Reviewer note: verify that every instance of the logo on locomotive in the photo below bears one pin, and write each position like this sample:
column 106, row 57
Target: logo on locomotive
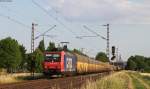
column 69, row 64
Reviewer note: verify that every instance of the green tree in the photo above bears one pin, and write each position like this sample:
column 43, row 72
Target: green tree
column 139, row 60
column 131, row 65
column 23, row 64
column 147, row 69
column 10, row 55
column 139, row 63
column 39, row 57
column 29, row 58
column 41, row 46
column 147, row 61
column 101, row 56
column 51, row 46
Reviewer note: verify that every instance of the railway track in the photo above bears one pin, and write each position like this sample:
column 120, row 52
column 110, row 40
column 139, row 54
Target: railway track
column 58, row 83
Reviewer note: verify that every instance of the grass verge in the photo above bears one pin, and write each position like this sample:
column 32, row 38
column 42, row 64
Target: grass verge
column 18, row 77
column 139, row 81
column 118, row 80
column 137, row 84
column 146, row 77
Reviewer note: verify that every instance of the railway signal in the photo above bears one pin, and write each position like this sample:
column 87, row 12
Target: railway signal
column 113, row 50
column 113, row 57
column 113, row 53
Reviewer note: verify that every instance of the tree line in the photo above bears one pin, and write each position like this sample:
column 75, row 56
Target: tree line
column 138, row 63
column 13, row 56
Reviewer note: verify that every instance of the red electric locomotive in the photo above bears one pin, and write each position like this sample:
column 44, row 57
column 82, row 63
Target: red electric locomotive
column 59, row 63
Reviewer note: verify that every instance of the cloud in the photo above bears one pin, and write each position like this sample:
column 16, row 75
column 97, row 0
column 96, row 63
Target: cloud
column 114, row 11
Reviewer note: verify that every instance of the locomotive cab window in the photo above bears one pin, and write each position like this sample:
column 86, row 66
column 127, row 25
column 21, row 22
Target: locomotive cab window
column 52, row 57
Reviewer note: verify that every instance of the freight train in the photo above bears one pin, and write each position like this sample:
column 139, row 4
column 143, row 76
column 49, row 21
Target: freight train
column 70, row 63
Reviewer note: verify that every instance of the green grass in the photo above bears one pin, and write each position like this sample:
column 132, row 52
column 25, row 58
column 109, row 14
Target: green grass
column 146, row 79
column 121, row 80
column 139, row 81
column 137, row 84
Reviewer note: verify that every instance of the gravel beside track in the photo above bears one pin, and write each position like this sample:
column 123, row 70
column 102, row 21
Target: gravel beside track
column 57, row 83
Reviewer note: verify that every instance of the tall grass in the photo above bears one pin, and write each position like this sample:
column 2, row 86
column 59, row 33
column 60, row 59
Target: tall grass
column 147, row 79
column 115, row 81
column 16, row 77
column 8, row 79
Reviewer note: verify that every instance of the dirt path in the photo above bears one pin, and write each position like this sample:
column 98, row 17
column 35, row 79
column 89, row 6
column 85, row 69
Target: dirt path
column 130, row 84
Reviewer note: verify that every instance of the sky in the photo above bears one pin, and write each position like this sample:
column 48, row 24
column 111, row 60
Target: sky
column 129, row 23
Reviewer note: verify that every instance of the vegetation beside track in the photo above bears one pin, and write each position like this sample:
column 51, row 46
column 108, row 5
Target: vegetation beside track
column 17, row 77
column 146, row 77
column 8, row 79
column 115, row 81
column 121, row 80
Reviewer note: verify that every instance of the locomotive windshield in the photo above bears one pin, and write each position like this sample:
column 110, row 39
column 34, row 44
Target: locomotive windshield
column 52, row 57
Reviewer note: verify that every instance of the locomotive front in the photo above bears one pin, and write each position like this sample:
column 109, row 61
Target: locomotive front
column 52, row 63
column 56, row 63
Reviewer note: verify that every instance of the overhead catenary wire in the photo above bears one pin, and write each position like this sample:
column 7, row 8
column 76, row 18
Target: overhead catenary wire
column 15, row 21
column 94, row 32
column 13, row 11
column 28, row 26
column 53, row 17
column 78, row 37
column 49, row 29
column 16, row 14
column 57, row 12
column 43, row 34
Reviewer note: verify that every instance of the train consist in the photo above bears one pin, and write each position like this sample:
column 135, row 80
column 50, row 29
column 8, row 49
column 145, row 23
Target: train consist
column 69, row 63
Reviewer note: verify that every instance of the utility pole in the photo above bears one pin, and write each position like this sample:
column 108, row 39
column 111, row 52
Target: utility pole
column 108, row 43
column 32, row 38
column 108, row 55
column 32, row 50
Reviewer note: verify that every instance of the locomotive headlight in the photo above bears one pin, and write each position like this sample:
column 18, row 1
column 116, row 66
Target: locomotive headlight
column 45, row 67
